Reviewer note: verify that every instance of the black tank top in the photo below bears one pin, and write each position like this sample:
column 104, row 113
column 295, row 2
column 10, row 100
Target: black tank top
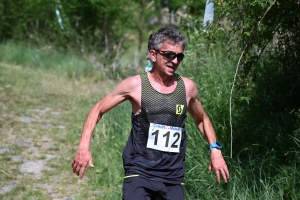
column 164, row 109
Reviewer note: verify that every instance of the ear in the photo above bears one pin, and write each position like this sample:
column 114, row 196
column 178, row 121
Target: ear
column 152, row 55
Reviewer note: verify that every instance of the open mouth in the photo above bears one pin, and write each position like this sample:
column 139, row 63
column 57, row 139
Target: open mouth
column 171, row 66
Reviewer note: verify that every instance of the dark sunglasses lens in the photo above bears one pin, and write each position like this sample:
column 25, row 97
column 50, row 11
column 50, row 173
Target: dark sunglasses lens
column 170, row 55
column 180, row 56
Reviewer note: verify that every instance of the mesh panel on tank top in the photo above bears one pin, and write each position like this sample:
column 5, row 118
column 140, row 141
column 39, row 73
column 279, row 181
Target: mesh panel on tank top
column 166, row 109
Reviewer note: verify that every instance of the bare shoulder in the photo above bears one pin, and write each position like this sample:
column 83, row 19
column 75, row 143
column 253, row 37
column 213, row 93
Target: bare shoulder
column 190, row 85
column 192, row 95
column 131, row 82
column 128, row 85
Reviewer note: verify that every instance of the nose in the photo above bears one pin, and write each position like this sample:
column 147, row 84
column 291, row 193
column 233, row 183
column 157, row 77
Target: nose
column 175, row 60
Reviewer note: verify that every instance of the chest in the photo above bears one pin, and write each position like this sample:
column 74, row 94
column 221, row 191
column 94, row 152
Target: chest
column 155, row 102
column 163, row 89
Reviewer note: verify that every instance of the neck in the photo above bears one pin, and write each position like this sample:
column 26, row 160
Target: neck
column 166, row 81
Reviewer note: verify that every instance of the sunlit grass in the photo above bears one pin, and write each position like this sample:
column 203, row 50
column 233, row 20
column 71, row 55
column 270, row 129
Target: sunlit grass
column 46, row 57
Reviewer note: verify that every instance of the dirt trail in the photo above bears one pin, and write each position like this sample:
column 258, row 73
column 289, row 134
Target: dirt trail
column 35, row 159
column 35, row 154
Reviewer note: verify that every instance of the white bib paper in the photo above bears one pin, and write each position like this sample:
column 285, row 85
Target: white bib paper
column 164, row 138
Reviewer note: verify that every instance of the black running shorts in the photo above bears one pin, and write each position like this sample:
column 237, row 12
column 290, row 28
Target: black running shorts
column 139, row 188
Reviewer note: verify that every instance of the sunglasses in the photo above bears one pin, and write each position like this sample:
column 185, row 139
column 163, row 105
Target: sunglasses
column 170, row 55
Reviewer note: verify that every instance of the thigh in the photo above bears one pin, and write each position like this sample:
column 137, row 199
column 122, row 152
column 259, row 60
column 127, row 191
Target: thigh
column 174, row 192
column 136, row 188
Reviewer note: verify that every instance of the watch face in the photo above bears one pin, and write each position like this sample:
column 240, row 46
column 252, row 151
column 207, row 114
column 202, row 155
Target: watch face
column 216, row 144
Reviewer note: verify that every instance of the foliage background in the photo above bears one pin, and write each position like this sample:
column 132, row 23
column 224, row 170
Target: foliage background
column 246, row 66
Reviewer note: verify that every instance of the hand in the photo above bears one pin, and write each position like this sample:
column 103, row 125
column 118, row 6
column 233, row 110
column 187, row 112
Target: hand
column 218, row 163
column 82, row 158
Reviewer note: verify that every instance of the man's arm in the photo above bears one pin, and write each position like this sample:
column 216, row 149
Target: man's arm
column 205, row 126
column 83, row 155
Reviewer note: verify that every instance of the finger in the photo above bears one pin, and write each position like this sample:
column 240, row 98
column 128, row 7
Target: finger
column 77, row 170
column 218, row 175
column 227, row 172
column 91, row 163
column 224, row 175
column 209, row 168
column 74, row 166
column 82, row 171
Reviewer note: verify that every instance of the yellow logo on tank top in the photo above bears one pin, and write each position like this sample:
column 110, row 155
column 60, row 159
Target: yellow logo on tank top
column 179, row 109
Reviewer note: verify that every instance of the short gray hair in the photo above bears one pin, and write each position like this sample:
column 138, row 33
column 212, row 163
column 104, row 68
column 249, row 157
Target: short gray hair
column 165, row 34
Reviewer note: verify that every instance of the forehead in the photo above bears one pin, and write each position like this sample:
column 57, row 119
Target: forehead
column 171, row 46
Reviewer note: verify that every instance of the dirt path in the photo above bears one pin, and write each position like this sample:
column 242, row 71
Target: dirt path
column 35, row 153
column 34, row 158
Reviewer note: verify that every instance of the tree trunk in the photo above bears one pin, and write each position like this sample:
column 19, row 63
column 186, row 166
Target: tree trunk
column 140, row 30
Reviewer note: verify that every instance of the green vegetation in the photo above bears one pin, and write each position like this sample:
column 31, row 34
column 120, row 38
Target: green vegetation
column 261, row 177
column 258, row 120
column 49, row 59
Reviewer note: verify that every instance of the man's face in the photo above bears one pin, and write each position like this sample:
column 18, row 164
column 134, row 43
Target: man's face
column 167, row 59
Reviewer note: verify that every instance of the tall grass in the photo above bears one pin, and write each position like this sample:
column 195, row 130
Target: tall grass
column 47, row 58
column 211, row 70
column 257, row 171
column 109, row 140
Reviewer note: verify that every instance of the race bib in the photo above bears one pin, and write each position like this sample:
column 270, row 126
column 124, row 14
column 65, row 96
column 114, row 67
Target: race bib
column 164, row 138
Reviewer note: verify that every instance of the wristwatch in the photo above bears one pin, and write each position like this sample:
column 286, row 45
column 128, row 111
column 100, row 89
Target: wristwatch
column 216, row 145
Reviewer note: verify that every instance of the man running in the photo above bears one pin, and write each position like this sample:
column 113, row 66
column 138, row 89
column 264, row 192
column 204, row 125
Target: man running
column 154, row 156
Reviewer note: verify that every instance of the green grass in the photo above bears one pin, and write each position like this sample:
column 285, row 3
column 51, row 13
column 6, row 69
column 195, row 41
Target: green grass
column 49, row 94
column 63, row 63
